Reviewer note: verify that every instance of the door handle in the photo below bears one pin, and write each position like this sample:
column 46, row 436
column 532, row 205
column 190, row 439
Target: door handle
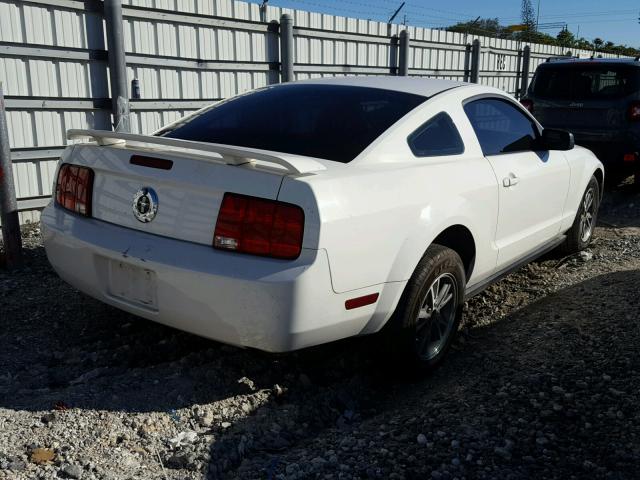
column 510, row 181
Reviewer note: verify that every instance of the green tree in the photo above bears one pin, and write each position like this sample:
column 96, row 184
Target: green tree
column 491, row 27
column 527, row 16
column 565, row 38
column 485, row 26
column 583, row 44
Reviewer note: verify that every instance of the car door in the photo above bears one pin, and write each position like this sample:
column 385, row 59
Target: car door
column 533, row 184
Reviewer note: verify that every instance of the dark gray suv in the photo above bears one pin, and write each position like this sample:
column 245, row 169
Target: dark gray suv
column 598, row 100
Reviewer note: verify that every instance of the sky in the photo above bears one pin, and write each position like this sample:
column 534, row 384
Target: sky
column 613, row 20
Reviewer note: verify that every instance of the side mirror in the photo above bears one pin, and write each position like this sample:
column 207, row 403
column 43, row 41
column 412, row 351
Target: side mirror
column 553, row 139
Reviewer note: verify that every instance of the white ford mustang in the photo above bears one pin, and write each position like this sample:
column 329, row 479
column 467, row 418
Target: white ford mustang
column 312, row 211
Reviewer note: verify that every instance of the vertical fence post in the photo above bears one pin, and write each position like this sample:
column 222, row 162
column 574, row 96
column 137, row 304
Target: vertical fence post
column 475, row 61
column 393, row 55
column 467, row 62
column 526, row 56
column 518, row 74
column 117, row 65
column 8, row 203
column 273, row 52
column 403, row 56
column 286, row 48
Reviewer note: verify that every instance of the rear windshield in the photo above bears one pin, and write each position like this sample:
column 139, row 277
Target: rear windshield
column 585, row 82
column 333, row 122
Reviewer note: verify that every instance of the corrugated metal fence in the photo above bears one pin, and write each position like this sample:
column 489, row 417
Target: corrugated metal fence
column 189, row 53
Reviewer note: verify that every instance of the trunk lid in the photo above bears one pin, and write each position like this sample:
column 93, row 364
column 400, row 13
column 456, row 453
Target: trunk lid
column 187, row 187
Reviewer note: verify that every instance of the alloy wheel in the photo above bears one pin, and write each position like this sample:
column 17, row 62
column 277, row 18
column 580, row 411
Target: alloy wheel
column 587, row 215
column 437, row 316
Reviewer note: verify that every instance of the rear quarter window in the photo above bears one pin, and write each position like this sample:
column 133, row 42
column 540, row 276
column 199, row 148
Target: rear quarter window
column 438, row 136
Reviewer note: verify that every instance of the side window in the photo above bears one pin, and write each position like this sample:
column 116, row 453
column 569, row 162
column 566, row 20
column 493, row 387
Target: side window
column 500, row 126
column 437, row 136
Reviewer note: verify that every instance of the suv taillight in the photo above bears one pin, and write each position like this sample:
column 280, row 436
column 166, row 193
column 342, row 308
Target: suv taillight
column 259, row 227
column 528, row 104
column 633, row 114
column 74, row 188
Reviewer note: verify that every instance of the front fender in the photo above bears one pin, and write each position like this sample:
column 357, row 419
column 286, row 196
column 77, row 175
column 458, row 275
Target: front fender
column 583, row 165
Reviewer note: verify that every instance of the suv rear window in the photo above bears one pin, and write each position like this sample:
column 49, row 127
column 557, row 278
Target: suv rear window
column 585, row 82
column 333, row 122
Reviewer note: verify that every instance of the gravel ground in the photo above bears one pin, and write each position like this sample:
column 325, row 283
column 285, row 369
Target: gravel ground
column 543, row 382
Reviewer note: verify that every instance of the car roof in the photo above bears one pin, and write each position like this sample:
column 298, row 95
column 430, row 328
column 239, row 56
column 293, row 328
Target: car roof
column 573, row 60
column 427, row 87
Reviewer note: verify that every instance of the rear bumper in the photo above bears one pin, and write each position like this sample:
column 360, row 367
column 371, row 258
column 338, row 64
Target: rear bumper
column 268, row 304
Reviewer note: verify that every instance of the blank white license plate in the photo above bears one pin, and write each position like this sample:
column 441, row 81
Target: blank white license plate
column 133, row 284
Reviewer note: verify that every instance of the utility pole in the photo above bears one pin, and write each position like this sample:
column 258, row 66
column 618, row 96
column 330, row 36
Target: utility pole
column 538, row 16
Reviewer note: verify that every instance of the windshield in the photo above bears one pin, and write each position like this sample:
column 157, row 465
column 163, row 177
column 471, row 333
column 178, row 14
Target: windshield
column 333, row 122
column 585, row 82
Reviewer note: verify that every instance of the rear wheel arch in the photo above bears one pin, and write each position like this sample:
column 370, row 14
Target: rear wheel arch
column 456, row 237
column 599, row 174
column 459, row 239
column 410, row 337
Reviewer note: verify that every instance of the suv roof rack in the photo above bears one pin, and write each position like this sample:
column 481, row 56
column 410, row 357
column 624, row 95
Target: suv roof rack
column 593, row 58
column 562, row 58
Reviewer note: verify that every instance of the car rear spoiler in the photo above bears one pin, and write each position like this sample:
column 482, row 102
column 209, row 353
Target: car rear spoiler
column 226, row 154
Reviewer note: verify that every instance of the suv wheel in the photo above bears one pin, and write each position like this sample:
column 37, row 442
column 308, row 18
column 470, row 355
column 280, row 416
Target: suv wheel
column 426, row 319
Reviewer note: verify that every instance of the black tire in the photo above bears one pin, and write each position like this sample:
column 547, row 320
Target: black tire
column 576, row 240
column 403, row 335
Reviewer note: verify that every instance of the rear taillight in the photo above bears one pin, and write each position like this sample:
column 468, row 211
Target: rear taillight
column 259, row 227
column 528, row 104
column 74, row 188
column 633, row 113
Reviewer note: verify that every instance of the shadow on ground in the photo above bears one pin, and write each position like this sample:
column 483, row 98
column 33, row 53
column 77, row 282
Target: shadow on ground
column 620, row 205
column 550, row 391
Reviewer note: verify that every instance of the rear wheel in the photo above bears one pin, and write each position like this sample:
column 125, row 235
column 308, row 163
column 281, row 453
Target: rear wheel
column 581, row 233
column 427, row 317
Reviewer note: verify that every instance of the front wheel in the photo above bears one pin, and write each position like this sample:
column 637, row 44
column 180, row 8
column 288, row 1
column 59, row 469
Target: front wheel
column 581, row 233
column 426, row 319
